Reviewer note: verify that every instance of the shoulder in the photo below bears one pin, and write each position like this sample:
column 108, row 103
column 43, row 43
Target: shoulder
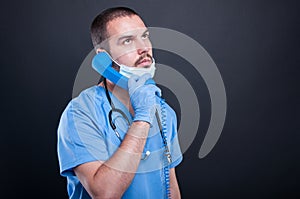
column 83, row 112
column 169, row 111
column 87, row 105
column 88, row 99
column 92, row 94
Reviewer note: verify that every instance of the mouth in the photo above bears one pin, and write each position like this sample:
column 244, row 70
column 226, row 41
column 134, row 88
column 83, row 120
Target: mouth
column 146, row 62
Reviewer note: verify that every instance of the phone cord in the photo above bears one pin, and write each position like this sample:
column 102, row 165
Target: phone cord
column 168, row 160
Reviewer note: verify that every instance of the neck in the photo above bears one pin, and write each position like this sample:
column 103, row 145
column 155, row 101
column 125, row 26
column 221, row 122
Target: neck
column 120, row 93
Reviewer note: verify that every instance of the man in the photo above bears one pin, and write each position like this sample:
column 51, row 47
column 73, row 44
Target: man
column 131, row 160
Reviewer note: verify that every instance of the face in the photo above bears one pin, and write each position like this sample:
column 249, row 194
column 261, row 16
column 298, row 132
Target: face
column 129, row 42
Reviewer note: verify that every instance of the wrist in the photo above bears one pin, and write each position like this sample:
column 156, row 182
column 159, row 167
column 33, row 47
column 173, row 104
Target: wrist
column 145, row 114
column 141, row 123
column 139, row 129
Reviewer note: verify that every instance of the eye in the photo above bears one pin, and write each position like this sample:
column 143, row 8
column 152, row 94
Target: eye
column 127, row 41
column 145, row 35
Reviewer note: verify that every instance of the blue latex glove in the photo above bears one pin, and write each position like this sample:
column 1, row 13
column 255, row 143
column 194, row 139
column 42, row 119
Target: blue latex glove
column 143, row 97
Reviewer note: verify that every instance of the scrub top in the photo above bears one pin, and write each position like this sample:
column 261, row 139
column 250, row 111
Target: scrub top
column 85, row 135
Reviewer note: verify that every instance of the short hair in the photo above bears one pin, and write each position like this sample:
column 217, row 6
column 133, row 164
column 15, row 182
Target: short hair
column 98, row 27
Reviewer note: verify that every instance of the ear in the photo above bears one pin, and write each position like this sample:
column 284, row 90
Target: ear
column 99, row 50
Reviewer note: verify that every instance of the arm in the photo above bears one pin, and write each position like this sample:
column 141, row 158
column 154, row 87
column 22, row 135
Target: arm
column 111, row 178
column 174, row 188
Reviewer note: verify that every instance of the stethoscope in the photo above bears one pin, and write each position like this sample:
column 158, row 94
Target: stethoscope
column 111, row 122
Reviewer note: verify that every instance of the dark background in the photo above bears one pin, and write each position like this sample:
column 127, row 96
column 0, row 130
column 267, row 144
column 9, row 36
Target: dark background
column 255, row 45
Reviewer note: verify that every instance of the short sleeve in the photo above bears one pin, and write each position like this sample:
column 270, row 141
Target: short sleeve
column 80, row 138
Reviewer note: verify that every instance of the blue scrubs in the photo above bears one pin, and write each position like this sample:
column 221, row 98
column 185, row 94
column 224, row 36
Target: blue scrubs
column 85, row 135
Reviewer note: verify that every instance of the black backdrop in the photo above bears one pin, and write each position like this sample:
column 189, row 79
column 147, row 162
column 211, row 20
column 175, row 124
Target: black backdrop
column 255, row 45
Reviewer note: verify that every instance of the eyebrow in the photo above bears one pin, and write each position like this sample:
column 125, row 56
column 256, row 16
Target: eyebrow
column 124, row 37
column 146, row 31
column 130, row 36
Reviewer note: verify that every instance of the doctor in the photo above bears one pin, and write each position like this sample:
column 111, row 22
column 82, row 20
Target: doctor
column 97, row 162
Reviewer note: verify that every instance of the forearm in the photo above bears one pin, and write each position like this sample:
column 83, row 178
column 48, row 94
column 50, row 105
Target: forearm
column 115, row 175
column 174, row 188
column 175, row 193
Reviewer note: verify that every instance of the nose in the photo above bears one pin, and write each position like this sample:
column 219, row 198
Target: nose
column 143, row 47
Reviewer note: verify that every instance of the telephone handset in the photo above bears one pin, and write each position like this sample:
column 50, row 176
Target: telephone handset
column 102, row 63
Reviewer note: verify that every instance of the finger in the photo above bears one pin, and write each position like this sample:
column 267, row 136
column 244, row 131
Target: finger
column 158, row 92
column 132, row 80
column 144, row 78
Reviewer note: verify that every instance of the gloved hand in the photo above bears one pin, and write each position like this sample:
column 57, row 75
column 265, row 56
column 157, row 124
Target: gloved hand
column 143, row 98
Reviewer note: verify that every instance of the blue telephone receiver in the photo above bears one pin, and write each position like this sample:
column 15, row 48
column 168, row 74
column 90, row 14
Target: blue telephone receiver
column 102, row 63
